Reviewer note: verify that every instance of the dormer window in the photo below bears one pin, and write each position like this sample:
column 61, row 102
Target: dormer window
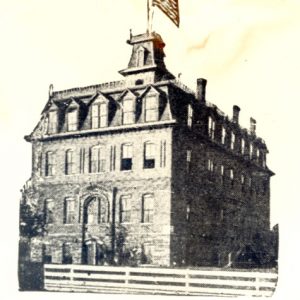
column 242, row 146
column 128, row 111
column 223, row 135
column 190, row 116
column 72, row 120
column 99, row 115
column 140, row 57
column 232, row 141
column 151, row 108
column 52, row 122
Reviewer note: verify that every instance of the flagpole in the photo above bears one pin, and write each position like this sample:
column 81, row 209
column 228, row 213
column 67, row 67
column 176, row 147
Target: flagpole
column 149, row 15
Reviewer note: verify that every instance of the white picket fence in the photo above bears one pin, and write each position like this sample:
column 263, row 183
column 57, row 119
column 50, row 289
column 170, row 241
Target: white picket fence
column 159, row 280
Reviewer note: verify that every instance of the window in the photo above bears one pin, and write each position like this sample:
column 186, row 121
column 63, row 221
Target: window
column 99, row 115
column 52, row 122
column 69, row 209
column 231, row 176
column 190, row 116
column 49, row 164
column 232, row 141
column 222, row 170
column 125, row 209
column 188, row 155
column 140, row 57
column 70, row 166
column 242, row 179
column 210, row 165
column 128, row 111
column 151, row 108
column 149, row 156
column 242, row 146
column 82, row 160
column 66, row 254
column 211, row 128
column 223, row 135
column 126, row 161
column 147, row 209
column 72, row 120
column 258, row 155
column 250, row 150
column 163, row 146
column 46, row 254
column 49, row 214
column 188, row 212
column 98, row 160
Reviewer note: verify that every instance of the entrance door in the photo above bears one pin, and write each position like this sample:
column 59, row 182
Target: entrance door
column 93, row 253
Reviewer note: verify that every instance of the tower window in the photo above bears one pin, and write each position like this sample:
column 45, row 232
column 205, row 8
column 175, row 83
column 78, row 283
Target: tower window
column 125, row 209
column 70, row 165
column 128, row 111
column 140, row 57
column 147, row 209
column 72, row 122
column 49, row 164
column 151, row 108
column 149, row 156
column 126, row 161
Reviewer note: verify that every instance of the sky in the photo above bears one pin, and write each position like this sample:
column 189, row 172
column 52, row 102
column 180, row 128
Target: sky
column 248, row 50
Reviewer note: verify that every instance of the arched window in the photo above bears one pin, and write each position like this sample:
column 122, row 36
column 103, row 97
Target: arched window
column 70, row 165
column 96, row 211
column 97, row 159
column 147, row 209
column 151, row 108
column 126, row 161
column 128, row 111
column 125, row 209
column 149, row 155
column 49, row 164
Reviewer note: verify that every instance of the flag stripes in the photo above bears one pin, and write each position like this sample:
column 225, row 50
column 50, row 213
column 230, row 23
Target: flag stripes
column 170, row 8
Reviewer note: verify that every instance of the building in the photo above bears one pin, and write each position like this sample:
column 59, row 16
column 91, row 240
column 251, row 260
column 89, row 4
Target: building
column 145, row 171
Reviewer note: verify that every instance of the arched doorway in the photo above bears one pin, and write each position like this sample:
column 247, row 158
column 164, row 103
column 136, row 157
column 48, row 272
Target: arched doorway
column 94, row 252
column 95, row 214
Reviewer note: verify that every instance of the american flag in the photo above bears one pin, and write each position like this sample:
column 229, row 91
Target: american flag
column 170, row 8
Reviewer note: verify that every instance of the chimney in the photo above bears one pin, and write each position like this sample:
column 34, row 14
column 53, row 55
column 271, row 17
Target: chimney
column 252, row 126
column 235, row 115
column 201, row 89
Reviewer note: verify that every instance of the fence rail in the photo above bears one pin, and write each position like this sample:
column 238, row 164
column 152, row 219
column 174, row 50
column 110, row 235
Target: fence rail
column 159, row 280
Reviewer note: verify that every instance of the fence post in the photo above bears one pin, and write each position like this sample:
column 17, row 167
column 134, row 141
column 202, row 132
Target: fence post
column 71, row 274
column 257, row 285
column 127, row 278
